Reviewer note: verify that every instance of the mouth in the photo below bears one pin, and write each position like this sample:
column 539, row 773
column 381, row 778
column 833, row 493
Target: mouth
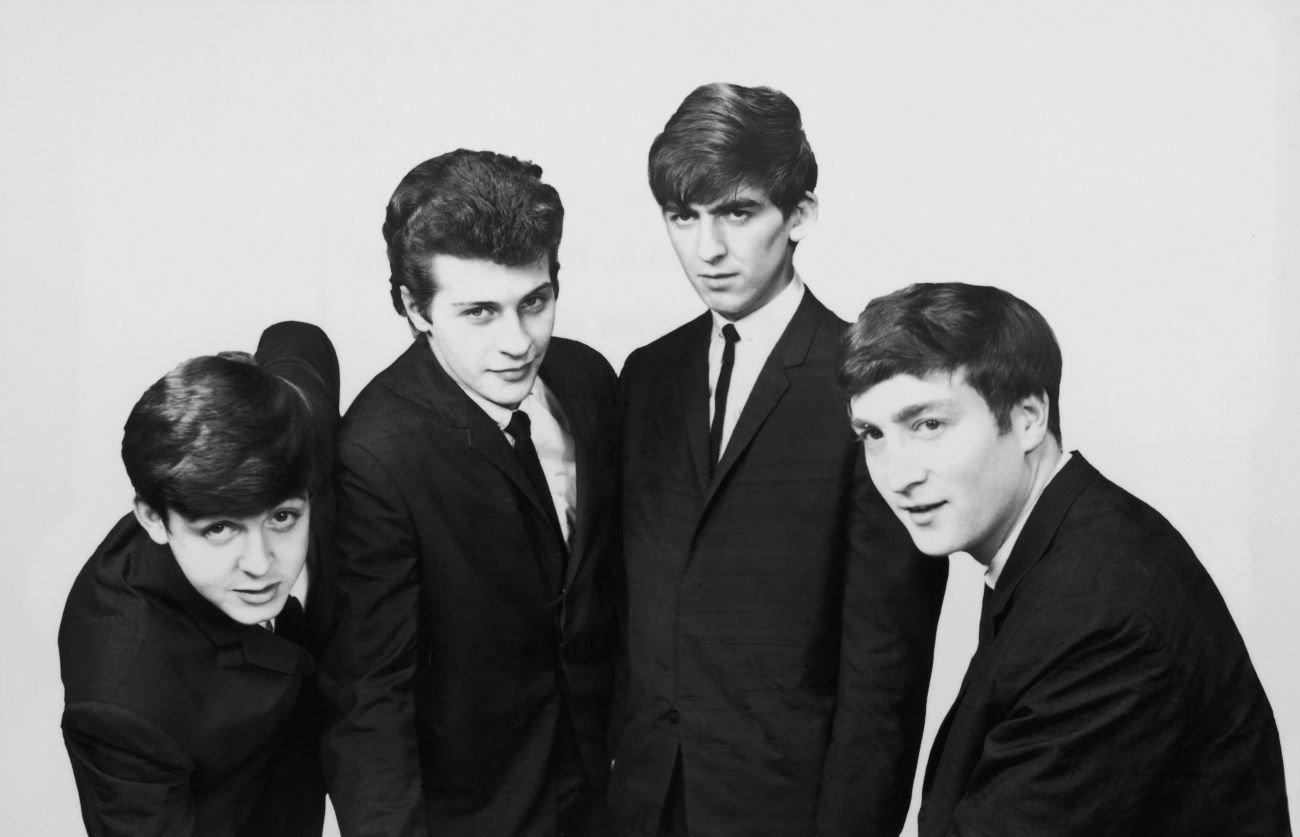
column 922, row 513
column 258, row 595
column 515, row 373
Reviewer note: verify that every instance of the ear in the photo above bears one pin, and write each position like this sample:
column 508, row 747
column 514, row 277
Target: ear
column 803, row 217
column 1029, row 420
column 151, row 521
column 413, row 313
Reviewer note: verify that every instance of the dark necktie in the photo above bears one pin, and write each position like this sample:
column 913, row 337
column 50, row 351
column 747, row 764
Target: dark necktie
column 520, row 429
column 986, row 616
column 730, row 335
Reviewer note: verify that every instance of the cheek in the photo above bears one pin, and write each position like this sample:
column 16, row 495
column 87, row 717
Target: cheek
column 291, row 548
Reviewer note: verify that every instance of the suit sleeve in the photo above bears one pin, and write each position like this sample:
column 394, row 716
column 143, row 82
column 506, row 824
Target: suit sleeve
column 372, row 762
column 303, row 355
column 892, row 598
column 133, row 779
column 1090, row 736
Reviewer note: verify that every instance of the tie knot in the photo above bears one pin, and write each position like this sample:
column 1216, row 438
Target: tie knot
column 520, row 425
column 729, row 333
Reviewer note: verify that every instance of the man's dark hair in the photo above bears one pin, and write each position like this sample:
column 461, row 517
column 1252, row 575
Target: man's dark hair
column 1002, row 345
column 470, row 205
column 219, row 435
column 725, row 137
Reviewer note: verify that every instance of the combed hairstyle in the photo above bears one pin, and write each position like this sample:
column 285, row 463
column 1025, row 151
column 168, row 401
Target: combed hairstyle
column 1002, row 345
column 220, row 435
column 470, row 205
column 725, row 137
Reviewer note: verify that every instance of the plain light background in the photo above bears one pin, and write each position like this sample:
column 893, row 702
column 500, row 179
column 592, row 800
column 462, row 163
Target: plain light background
column 176, row 175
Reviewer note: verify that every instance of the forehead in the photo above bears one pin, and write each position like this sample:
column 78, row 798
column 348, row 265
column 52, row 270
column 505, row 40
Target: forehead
column 483, row 280
column 894, row 398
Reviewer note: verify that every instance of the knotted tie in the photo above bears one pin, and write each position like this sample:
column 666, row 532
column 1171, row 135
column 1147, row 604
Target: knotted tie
column 520, row 429
column 731, row 336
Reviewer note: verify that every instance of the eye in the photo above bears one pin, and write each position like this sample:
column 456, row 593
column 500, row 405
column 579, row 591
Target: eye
column 869, row 434
column 928, row 427
column 219, row 531
column 535, row 304
column 283, row 520
column 478, row 313
column 680, row 217
column 740, row 215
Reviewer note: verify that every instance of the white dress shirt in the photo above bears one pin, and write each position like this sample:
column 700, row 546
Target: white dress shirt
column 758, row 332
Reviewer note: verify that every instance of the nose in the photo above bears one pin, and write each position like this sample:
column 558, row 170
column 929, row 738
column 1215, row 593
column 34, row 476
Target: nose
column 710, row 245
column 901, row 468
column 512, row 338
column 255, row 558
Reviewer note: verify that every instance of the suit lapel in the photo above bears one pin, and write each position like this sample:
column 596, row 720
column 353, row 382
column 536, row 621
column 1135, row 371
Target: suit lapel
column 789, row 351
column 1039, row 530
column 693, row 397
column 578, row 418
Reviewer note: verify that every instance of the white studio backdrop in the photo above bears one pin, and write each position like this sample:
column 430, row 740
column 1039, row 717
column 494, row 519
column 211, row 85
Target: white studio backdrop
column 174, row 176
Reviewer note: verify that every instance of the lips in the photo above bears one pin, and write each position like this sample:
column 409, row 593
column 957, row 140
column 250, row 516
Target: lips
column 922, row 513
column 516, row 374
column 258, row 595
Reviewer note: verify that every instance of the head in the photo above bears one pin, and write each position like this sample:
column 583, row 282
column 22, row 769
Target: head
column 954, row 392
column 224, row 461
column 473, row 250
column 734, row 176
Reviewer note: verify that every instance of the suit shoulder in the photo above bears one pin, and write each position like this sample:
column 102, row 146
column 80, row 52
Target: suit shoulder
column 580, row 358
column 385, row 407
column 674, row 344
column 115, row 619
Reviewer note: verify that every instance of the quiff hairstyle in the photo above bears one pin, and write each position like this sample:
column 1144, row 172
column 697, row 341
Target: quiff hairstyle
column 220, row 436
column 470, row 205
column 1002, row 345
column 725, row 137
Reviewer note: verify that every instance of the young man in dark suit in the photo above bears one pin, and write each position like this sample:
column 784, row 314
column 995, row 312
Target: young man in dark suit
column 1111, row 692
column 779, row 631
column 185, row 655
column 469, row 675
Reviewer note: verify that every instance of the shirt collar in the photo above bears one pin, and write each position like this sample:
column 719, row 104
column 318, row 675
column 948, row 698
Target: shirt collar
column 1004, row 552
column 501, row 415
column 768, row 323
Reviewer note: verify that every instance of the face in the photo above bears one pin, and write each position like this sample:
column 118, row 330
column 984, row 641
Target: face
column 243, row 565
column 488, row 324
column 737, row 252
column 938, row 458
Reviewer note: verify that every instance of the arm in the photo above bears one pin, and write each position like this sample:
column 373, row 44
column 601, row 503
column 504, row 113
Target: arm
column 133, row 780
column 1091, row 728
column 372, row 763
column 302, row 354
column 892, row 598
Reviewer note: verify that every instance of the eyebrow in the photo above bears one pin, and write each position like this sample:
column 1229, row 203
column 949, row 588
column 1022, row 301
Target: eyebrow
column 911, row 411
column 541, row 287
column 723, row 207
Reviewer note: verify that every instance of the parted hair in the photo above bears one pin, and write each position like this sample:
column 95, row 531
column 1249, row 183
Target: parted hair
column 724, row 137
column 1002, row 345
column 220, row 435
column 470, row 205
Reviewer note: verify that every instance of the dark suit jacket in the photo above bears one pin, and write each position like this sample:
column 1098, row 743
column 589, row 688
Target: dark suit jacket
column 780, row 625
column 178, row 720
column 1111, row 692
column 458, row 642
